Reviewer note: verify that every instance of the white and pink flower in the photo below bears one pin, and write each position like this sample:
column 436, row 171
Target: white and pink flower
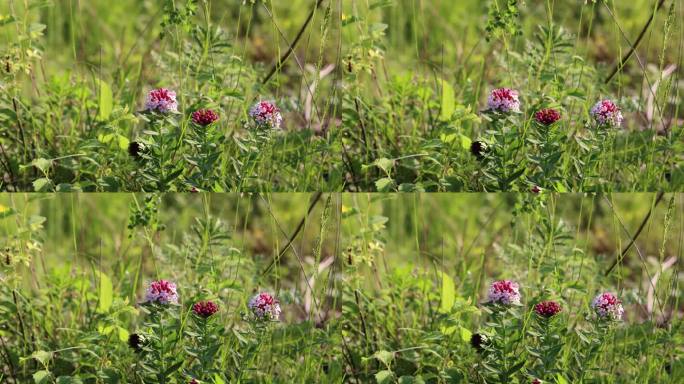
column 504, row 100
column 607, row 306
column 161, row 292
column 264, row 306
column 161, row 100
column 504, row 292
column 606, row 113
column 266, row 115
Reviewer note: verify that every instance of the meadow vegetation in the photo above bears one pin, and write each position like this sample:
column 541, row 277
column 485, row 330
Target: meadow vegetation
column 77, row 77
column 416, row 116
column 369, row 288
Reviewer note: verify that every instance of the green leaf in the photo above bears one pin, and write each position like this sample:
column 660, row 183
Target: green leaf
column 448, row 293
column 384, row 184
column 466, row 142
column 106, row 293
column 466, row 334
column 384, row 377
column 41, row 377
column 560, row 379
column 448, row 101
column 385, row 356
column 42, row 356
column 106, row 101
column 41, row 185
column 42, row 164
column 123, row 334
column 384, row 164
column 123, row 142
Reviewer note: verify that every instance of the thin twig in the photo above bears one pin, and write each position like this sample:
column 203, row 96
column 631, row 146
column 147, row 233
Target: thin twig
column 300, row 226
column 629, row 54
column 290, row 49
column 636, row 234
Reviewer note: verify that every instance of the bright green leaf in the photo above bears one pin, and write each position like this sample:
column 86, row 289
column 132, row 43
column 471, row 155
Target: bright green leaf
column 106, row 295
column 448, row 101
column 466, row 334
column 384, row 377
column 448, row 293
column 41, row 377
column 106, row 100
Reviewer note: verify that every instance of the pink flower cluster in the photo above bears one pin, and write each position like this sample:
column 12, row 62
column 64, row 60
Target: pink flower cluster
column 547, row 116
column 266, row 115
column 204, row 117
column 504, row 100
column 607, row 113
column 205, row 308
column 161, row 292
column 607, row 306
column 161, row 100
column 504, row 292
column 264, row 306
column 547, row 309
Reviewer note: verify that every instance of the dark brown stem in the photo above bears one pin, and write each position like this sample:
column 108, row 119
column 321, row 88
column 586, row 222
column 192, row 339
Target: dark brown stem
column 629, row 54
column 636, row 234
column 300, row 226
column 279, row 64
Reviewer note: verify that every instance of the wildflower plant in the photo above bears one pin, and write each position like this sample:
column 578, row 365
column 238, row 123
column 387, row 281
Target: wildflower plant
column 206, row 141
column 160, row 139
column 505, row 138
column 545, row 339
column 205, row 335
column 163, row 331
column 505, row 320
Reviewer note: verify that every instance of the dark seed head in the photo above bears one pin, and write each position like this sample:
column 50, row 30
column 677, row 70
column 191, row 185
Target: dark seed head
column 479, row 341
column 136, row 149
column 478, row 149
column 137, row 341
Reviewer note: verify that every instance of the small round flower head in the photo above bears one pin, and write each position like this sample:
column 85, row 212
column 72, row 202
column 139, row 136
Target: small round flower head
column 161, row 100
column 205, row 308
column 136, row 149
column 504, row 292
column 537, row 381
column 204, row 117
column 607, row 306
column 137, row 341
column 264, row 306
column 479, row 341
column 607, row 113
column 547, row 309
column 478, row 149
column 194, row 381
column 547, row 116
column 504, row 100
column 161, row 292
column 536, row 189
column 266, row 115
